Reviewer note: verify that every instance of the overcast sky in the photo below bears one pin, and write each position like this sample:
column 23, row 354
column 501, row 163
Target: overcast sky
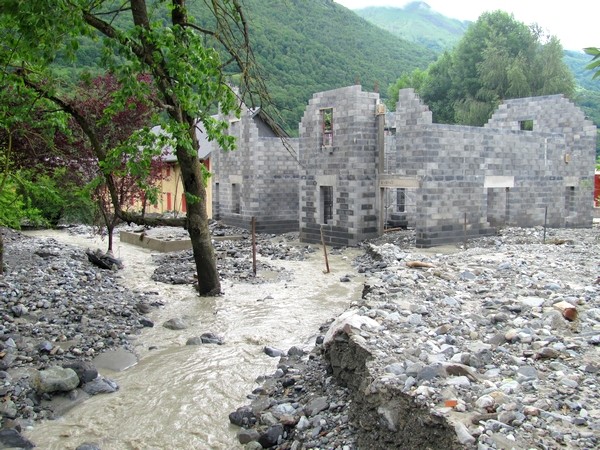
column 575, row 22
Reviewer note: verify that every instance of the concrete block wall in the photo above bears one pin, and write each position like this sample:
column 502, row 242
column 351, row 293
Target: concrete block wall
column 460, row 181
column 348, row 166
column 561, row 159
column 472, row 179
column 260, row 178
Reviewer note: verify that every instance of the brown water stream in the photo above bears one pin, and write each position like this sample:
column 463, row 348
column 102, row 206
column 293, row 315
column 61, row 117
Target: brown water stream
column 178, row 396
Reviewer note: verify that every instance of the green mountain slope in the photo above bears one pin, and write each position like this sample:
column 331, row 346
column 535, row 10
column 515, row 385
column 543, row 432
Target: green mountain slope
column 418, row 23
column 307, row 46
column 576, row 61
column 303, row 47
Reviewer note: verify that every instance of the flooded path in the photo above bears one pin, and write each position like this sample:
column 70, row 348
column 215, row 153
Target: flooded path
column 178, row 396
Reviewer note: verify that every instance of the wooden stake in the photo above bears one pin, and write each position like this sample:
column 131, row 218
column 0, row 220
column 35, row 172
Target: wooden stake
column 254, row 245
column 545, row 223
column 324, row 250
column 465, row 230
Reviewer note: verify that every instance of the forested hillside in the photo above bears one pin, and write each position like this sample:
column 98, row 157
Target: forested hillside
column 418, row 23
column 307, row 46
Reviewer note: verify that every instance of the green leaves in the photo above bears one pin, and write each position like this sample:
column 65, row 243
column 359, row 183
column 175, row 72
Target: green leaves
column 595, row 63
column 497, row 58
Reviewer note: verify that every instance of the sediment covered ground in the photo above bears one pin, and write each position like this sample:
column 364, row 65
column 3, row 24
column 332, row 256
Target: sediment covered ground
column 492, row 346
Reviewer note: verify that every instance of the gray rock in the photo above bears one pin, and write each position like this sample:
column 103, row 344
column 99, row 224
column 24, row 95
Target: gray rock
column 55, row 379
column 45, row 347
column 270, row 437
column 211, row 338
column 243, row 417
column 11, row 438
column 316, row 405
column 463, row 435
column 88, row 446
column 253, row 445
column 428, row 373
column 273, row 352
column 462, row 381
column 303, row 423
column 246, row 435
column 395, row 368
column 528, row 372
column 415, row 319
column 569, row 383
column 8, row 409
column 176, row 324
column 467, row 276
column 295, row 351
column 143, row 307
column 267, row 418
column 85, row 370
column 100, row 385
column 283, row 408
column 553, row 286
column 594, row 340
column 19, row 310
column 146, row 322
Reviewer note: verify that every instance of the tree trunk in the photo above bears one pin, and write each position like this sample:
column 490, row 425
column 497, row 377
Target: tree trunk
column 193, row 183
column 110, row 229
column 197, row 221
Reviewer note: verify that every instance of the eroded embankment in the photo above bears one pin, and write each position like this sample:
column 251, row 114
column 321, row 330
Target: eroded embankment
column 495, row 346
column 386, row 418
column 330, row 399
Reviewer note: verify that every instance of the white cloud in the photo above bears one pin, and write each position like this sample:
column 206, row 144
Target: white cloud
column 576, row 22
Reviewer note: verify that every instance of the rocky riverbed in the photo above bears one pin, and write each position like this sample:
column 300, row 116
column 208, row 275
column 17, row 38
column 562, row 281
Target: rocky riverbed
column 492, row 346
column 60, row 312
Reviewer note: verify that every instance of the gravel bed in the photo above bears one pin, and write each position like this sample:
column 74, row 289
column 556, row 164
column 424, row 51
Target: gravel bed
column 478, row 343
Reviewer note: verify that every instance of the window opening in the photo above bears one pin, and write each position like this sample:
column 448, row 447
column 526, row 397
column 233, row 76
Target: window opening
column 327, row 121
column 570, row 199
column 526, row 125
column 327, row 204
column 235, row 199
column 401, row 200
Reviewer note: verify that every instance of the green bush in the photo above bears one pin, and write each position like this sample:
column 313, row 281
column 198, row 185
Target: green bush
column 44, row 200
column 14, row 211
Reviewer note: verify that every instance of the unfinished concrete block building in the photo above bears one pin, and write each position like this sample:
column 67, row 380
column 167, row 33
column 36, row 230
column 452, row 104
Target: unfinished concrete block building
column 259, row 179
column 359, row 169
column 535, row 156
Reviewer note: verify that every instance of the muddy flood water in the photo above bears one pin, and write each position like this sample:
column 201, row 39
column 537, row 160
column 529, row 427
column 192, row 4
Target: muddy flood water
column 179, row 396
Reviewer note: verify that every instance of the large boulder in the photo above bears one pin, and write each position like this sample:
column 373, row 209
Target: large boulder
column 55, row 379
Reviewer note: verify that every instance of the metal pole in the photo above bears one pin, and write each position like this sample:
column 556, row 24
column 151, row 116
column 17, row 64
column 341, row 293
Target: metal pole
column 324, row 250
column 254, row 245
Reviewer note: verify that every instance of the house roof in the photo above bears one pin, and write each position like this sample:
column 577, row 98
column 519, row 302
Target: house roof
column 267, row 119
column 204, row 145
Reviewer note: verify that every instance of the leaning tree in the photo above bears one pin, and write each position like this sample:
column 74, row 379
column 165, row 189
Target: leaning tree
column 184, row 60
